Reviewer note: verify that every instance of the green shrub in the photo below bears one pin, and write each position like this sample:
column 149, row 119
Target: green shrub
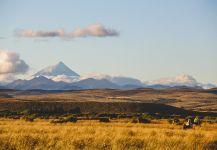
column 207, row 118
column 142, row 119
column 135, row 120
column 26, row 112
column 210, row 119
column 170, row 121
column 176, row 121
column 197, row 120
column 45, row 117
column 30, row 118
column 110, row 115
column 64, row 120
column 71, row 119
column 60, row 120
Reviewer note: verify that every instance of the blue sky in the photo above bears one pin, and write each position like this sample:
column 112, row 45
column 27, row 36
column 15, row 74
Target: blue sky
column 157, row 38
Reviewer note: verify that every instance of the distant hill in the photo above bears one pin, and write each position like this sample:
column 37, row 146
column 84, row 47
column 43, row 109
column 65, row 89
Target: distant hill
column 96, row 84
column 213, row 90
column 44, row 83
column 40, row 82
column 61, row 77
column 2, row 87
column 158, row 86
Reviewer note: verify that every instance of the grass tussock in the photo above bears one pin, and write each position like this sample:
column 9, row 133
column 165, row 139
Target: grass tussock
column 41, row 134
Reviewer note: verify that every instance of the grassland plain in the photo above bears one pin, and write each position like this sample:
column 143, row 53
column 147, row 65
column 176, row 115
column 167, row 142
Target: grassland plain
column 190, row 99
column 116, row 135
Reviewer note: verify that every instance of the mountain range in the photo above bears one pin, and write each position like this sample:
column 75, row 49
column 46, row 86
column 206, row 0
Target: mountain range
column 61, row 77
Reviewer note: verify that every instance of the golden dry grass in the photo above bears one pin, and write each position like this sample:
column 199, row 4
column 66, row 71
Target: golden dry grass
column 117, row 135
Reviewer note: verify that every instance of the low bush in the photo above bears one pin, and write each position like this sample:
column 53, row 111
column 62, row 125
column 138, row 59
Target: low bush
column 112, row 116
column 170, row 121
column 176, row 121
column 61, row 120
column 8, row 113
column 197, row 120
column 30, row 118
column 26, row 112
column 210, row 119
column 142, row 119
column 44, row 117
column 15, row 117
column 64, row 120
column 104, row 119
column 135, row 120
column 71, row 119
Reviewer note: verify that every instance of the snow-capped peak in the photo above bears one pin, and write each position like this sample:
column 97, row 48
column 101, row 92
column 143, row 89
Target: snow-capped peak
column 55, row 70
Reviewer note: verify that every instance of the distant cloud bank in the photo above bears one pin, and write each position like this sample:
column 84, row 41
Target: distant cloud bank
column 95, row 30
column 6, row 78
column 180, row 80
column 10, row 62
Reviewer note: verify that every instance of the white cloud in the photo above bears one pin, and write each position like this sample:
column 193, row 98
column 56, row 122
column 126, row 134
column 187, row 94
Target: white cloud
column 208, row 86
column 59, row 78
column 64, row 78
column 96, row 30
column 31, row 33
column 11, row 63
column 6, row 78
column 97, row 76
column 181, row 80
column 119, row 80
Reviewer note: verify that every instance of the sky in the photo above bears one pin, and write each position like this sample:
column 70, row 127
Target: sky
column 142, row 39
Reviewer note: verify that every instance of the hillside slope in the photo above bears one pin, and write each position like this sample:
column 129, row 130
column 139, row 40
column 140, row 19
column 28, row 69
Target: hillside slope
column 190, row 99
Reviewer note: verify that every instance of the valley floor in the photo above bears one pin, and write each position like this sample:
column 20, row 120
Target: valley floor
column 190, row 99
column 117, row 135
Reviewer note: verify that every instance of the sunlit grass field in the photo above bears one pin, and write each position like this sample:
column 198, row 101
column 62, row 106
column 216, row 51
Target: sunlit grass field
column 117, row 135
